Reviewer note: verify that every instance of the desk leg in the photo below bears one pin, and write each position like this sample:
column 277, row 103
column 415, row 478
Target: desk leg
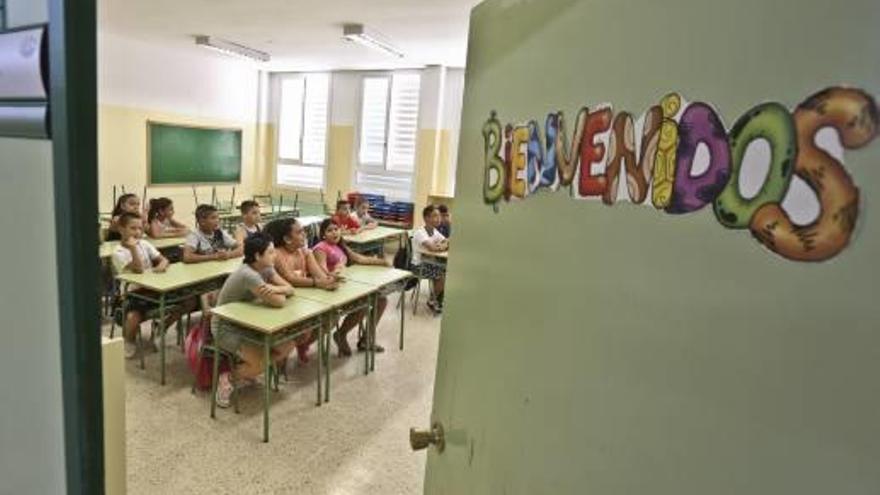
column 267, row 359
column 375, row 331
column 402, row 312
column 215, row 378
column 328, row 332
column 371, row 331
column 367, row 336
column 320, row 363
column 162, row 334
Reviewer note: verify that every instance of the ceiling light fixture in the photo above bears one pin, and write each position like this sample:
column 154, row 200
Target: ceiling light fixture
column 230, row 48
column 356, row 33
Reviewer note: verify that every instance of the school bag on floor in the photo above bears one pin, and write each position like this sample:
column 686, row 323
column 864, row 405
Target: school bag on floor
column 403, row 261
column 199, row 357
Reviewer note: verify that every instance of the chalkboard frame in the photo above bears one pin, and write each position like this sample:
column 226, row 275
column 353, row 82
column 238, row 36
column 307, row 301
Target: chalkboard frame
column 149, row 164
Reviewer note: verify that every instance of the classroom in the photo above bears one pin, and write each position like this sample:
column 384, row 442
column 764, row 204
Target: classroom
column 251, row 140
column 229, row 230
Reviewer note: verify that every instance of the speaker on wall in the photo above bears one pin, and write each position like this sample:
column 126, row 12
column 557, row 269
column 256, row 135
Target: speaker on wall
column 24, row 82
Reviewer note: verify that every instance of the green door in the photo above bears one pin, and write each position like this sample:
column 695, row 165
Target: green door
column 626, row 349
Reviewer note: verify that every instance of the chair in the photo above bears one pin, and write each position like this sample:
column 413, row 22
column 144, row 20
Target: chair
column 405, row 263
column 209, row 349
column 118, row 318
column 417, row 290
column 265, row 199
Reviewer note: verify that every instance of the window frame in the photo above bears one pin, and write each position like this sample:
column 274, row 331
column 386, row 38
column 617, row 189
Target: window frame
column 383, row 167
column 279, row 161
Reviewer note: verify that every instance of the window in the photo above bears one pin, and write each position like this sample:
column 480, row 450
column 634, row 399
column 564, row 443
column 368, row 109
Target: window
column 302, row 130
column 388, row 131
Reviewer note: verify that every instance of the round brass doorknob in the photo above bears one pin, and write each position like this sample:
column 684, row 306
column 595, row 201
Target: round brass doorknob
column 421, row 439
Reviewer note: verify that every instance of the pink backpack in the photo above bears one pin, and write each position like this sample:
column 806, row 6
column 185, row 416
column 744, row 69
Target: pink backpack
column 201, row 363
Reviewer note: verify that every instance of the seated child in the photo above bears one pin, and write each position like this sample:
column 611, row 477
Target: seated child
column 250, row 221
column 254, row 280
column 160, row 220
column 445, row 226
column 333, row 255
column 428, row 238
column 127, row 203
column 296, row 263
column 343, row 218
column 136, row 255
column 208, row 242
column 363, row 215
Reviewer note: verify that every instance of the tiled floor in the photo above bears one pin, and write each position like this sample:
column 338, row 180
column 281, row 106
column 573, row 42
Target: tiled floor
column 356, row 444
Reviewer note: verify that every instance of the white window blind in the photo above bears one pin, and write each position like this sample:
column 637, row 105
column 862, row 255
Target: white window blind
column 302, row 130
column 300, row 176
column 388, row 133
column 404, row 123
column 315, row 120
column 290, row 118
column 374, row 115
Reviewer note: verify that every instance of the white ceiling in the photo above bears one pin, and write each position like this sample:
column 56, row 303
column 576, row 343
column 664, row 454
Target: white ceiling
column 302, row 34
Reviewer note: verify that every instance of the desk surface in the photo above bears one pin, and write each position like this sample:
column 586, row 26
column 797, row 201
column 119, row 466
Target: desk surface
column 378, row 276
column 180, row 275
column 311, row 219
column 399, row 225
column 435, row 254
column 266, row 319
column 373, row 235
column 106, row 249
column 265, row 210
column 348, row 292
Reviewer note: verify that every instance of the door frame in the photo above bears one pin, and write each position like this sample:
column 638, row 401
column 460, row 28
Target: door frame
column 74, row 123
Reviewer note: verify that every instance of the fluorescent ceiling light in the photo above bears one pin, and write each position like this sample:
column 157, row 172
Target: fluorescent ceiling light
column 230, row 48
column 358, row 34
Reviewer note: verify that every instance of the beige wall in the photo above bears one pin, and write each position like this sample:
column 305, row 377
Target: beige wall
column 122, row 145
column 434, row 158
column 139, row 82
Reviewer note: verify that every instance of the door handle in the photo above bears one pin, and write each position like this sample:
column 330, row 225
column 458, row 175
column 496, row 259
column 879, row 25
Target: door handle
column 422, row 439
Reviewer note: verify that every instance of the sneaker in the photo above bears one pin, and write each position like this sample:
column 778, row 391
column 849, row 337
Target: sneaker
column 362, row 346
column 342, row 344
column 435, row 307
column 131, row 350
column 224, row 391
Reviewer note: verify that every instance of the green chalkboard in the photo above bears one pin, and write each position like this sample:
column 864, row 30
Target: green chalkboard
column 193, row 155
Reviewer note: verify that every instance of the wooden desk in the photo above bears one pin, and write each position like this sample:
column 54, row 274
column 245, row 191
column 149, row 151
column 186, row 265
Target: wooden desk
column 106, row 249
column 373, row 240
column 394, row 224
column 229, row 219
column 268, row 327
column 309, row 220
column 439, row 255
column 180, row 282
column 350, row 297
column 386, row 280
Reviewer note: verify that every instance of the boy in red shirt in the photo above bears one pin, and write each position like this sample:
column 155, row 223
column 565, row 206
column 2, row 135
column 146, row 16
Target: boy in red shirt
column 343, row 218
